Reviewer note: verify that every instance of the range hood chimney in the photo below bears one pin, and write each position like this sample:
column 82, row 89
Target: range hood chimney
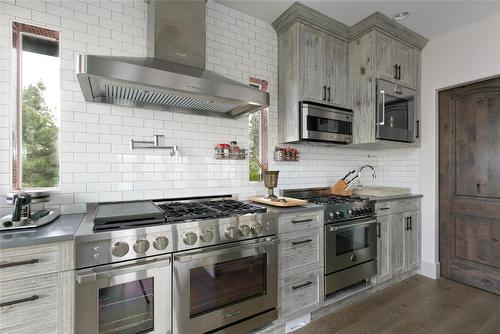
column 175, row 78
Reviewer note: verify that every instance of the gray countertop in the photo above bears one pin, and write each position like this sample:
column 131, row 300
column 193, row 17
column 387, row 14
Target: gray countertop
column 63, row 228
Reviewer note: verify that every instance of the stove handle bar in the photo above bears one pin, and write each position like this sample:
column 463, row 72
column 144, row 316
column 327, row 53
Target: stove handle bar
column 336, row 228
column 223, row 249
column 93, row 274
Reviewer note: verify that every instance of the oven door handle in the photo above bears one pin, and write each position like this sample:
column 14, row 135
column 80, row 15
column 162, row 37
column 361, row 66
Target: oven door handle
column 336, row 228
column 382, row 92
column 93, row 274
column 223, row 249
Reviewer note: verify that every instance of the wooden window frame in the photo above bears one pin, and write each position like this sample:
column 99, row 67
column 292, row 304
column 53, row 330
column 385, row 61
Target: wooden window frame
column 18, row 30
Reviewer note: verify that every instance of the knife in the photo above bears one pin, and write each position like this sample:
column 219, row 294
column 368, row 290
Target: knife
column 347, row 175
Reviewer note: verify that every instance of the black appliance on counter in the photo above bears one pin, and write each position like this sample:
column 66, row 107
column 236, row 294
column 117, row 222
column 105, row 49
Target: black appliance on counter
column 350, row 234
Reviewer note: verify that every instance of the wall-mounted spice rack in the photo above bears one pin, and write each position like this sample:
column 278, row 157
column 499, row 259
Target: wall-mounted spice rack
column 286, row 154
column 231, row 151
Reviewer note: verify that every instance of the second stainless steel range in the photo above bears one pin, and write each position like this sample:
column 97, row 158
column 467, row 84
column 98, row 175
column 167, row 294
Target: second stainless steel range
column 185, row 266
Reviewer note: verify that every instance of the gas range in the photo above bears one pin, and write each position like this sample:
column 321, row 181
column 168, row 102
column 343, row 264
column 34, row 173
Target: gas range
column 119, row 231
column 337, row 208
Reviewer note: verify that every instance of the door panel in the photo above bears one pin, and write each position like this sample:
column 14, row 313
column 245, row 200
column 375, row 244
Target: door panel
column 397, row 243
column 469, row 182
column 336, row 71
column 383, row 250
column 312, row 50
column 412, row 241
column 386, row 56
column 405, row 59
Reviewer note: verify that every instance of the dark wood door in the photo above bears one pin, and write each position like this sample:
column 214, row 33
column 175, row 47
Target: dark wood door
column 469, row 184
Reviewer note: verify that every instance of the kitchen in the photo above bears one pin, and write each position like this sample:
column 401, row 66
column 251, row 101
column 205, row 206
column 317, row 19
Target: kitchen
column 147, row 140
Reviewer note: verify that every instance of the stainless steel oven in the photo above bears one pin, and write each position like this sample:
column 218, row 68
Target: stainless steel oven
column 396, row 112
column 350, row 253
column 130, row 297
column 228, row 289
column 325, row 123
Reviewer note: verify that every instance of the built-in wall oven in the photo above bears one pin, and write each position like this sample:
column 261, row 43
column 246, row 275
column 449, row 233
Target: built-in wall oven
column 350, row 253
column 325, row 123
column 216, row 288
column 396, row 112
column 128, row 297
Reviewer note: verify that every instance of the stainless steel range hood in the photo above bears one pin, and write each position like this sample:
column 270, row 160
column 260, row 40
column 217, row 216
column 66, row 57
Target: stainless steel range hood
column 176, row 78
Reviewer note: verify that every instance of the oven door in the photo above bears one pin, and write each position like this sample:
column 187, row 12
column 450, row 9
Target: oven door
column 349, row 244
column 320, row 123
column 395, row 112
column 222, row 285
column 132, row 297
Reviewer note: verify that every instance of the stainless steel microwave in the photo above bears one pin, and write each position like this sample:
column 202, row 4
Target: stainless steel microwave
column 396, row 112
column 325, row 123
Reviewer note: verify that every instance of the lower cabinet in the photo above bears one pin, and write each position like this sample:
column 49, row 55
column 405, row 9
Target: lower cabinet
column 31, row 302
column 398, row 239
column 300, row 275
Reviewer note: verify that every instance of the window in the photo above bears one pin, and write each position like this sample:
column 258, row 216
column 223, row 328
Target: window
column 257, row 127
column 37, row 116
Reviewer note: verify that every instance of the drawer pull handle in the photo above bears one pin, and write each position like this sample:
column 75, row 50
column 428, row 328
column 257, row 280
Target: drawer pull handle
column 301, row 221
column 383, row 209
column 20, row 263
column 295, row 287
column 19, row 301
column 301, row 242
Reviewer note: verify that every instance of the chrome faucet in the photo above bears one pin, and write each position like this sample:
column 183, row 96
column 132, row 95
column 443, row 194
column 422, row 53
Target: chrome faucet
column 374, row 174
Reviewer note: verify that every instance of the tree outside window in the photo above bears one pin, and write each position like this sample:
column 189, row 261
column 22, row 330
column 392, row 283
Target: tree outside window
column 257, row 127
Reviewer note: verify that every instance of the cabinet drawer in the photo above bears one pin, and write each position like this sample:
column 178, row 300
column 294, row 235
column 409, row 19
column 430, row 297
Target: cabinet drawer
column 22, row 262
column 300, row 250
column 29, row 305
column 300, row 222
column 398, row 206
column 301, row 292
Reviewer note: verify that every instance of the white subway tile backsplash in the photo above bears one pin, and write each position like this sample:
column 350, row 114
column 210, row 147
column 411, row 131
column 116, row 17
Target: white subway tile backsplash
column 97, row 162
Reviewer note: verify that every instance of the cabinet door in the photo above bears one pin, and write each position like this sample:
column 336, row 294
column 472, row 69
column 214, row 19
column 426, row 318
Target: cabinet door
column 385, row 57
column 383, row 250
column 312, row 51
column 412, row 240
column 397, row 250
column 336, row 71
column 405, row 58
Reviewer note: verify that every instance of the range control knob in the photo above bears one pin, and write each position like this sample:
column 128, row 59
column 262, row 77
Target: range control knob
column 160, row 242
column 230, row 232
column 119, row 249
column 244, row 230
column 206, row 236
column 190, row 238
column 257, row 229
column 349, row 212
column 331, row 215
column 141, row 246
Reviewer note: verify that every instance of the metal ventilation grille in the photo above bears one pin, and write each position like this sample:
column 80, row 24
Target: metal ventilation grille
column 144, row 96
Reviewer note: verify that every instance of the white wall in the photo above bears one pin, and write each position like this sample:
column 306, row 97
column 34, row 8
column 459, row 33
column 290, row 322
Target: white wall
column 467, row 54
column 97, row 164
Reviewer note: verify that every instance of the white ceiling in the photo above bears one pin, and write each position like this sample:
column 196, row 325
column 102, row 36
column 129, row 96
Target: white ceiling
column 428, row 18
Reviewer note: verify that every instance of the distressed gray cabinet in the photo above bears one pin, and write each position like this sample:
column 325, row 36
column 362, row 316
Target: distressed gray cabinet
column 300, row 275
column 398, row 238
column 37, row 289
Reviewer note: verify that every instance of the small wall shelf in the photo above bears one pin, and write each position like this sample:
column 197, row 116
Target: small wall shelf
column 231, row 156
column 281, row 155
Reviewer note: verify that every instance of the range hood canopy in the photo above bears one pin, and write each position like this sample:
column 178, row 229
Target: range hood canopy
column 176, row 78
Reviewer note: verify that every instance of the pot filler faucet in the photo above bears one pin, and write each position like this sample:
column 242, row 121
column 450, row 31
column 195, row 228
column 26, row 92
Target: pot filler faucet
column 374, row 174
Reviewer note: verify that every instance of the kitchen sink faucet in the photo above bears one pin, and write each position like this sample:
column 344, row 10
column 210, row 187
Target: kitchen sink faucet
column 374, row 174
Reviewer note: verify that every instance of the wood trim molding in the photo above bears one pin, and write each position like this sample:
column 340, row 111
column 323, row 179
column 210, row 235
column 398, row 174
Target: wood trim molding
column 308, row 16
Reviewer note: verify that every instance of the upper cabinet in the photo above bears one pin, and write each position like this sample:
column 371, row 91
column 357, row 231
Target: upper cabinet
column 324, row 61
column 396, row 61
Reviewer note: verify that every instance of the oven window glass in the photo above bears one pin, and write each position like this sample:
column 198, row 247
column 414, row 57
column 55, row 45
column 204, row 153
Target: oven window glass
column 321, row 124
column 217, row 285
column 127, row 308
column 350, row 240
column 396, row 114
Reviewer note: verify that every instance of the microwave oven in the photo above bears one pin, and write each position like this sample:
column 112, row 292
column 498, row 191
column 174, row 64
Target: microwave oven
column 322, row 123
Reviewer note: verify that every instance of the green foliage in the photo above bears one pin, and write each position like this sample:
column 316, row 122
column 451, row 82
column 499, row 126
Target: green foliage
column 40, row 133
column 254, row 146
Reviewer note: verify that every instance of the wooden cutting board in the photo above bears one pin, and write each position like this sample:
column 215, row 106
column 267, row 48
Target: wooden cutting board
column 290, row 202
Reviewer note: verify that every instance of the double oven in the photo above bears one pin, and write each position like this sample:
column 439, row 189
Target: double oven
column 225, row 288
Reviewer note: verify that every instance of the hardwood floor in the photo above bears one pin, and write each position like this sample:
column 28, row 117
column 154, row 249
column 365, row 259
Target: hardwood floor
column 416, row 305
